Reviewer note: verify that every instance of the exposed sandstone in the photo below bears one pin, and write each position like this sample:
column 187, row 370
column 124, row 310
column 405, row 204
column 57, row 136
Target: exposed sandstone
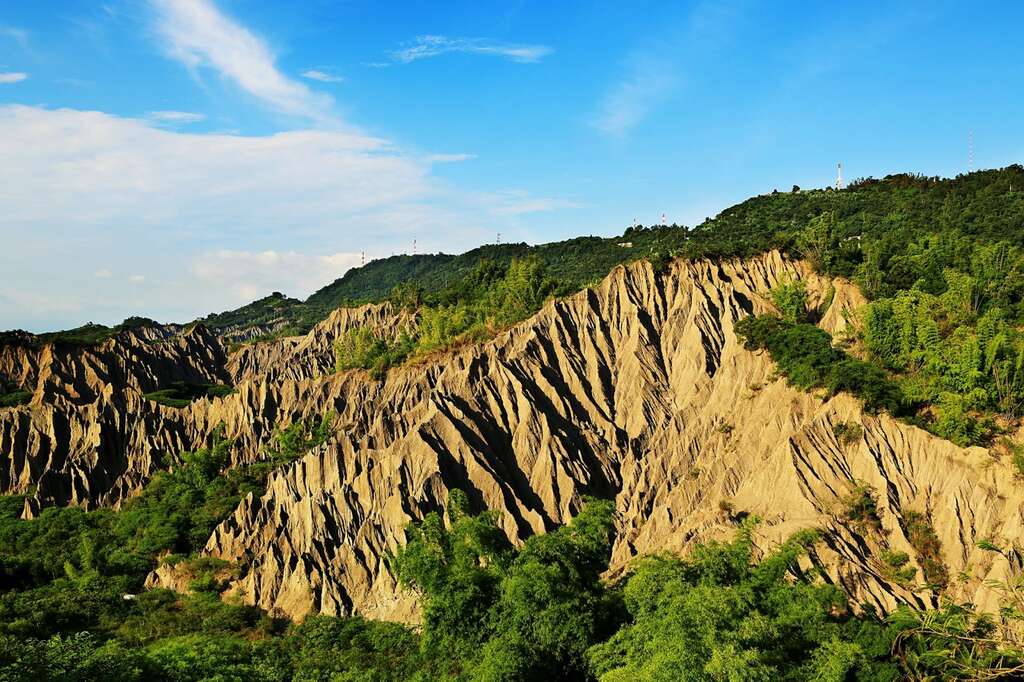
column 636, row 389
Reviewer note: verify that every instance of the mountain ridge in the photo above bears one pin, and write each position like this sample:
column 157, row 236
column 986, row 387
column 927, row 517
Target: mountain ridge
column 637, row 388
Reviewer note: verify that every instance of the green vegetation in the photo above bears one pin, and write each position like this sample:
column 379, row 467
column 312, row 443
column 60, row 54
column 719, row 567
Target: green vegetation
column 494, row 613
column 860, row 506
column 491, row 296
column 848, row 433
column 72, row 605
column 722, row 616
column 894, row 567
column 805, row 355
column 182, row 394
column 266, row 311
column 87, row 335
column 922, row 538
column 12, row 396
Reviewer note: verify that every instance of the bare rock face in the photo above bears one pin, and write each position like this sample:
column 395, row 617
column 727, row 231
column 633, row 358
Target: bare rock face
column 637, row 389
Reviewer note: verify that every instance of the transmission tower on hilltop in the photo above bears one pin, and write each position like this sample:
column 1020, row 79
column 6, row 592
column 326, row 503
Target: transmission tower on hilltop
column 839, row 176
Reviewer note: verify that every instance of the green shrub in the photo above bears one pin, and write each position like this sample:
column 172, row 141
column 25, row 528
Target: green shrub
column 894, row 567
column 860, row 506
column 790, row 297
column 848, row 433
column 182, row 394
column 16, row 397
column 922, row 537
column 722, row 615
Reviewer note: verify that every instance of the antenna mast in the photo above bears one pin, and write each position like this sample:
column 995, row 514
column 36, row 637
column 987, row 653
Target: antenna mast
column 839, row 175
column 664, row 220
column 414, row 246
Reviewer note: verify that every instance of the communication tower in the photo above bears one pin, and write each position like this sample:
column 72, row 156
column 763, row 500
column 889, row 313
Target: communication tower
column 839, row 176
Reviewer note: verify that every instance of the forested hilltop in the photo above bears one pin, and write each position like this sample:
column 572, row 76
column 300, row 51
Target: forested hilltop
column 938, row 344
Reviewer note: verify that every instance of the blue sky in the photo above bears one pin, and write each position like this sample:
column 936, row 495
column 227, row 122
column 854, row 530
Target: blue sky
column 176, row 157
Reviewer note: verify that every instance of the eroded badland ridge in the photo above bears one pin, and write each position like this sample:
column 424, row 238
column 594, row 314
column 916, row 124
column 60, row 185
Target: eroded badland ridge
column 636, row 389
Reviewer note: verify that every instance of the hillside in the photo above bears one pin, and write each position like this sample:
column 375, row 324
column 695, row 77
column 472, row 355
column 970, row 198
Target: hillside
column 696, row 395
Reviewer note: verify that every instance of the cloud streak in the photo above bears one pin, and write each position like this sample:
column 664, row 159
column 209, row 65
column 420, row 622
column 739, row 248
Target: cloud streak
column 18, row 35
column 322, row 76
column 173, row 117
column 646, row 83
column 198, row 35
column 12, row 76
column 427, row 46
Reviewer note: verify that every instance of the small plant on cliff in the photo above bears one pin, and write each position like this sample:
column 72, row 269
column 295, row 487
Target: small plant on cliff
column 790, row 297
column 15, row 397
column 922, row 537
column 1016, row 451
column 860, row 506
column 848, row 433
column 894, row 567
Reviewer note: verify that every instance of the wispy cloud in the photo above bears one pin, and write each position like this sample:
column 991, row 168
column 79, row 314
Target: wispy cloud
column 18, row 35
column 175, row 117
column 12, row 76
column 449, row 158
column 646, row 82
column 432, row 46
column 519, row 202
column 322, row 76
column 199, row 35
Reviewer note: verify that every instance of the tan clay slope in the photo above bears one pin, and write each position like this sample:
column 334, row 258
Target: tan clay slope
column 90, row 438
column 637, row 389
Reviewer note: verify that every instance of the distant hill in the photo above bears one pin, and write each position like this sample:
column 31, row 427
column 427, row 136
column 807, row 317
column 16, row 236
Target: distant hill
column 573, row 263
column 890, row 214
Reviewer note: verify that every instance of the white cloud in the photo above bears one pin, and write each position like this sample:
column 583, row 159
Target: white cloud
column 646, row 83
column 91, row 168
column 136, row 279
column 249, row 275
column 12, row 77
column 175, row 117
column 198, row 35
column 450, row 158
column 432, row 46
column 84, row 189
column 322, row 76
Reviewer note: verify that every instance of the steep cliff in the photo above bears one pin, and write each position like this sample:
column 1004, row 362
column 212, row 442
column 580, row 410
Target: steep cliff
column 636, row 389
